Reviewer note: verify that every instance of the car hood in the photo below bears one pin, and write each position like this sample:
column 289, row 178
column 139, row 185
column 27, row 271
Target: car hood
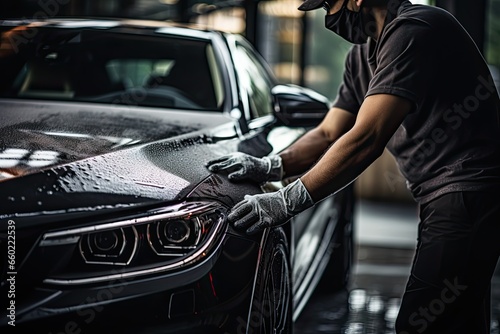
column 57, row 156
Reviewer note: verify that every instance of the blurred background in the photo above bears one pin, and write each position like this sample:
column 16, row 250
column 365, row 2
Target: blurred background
column 296, row 45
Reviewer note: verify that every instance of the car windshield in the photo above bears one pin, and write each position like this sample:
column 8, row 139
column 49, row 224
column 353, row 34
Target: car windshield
column 119, row 68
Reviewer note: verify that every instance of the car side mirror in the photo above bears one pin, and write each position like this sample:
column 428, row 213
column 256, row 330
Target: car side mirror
column 299, row 106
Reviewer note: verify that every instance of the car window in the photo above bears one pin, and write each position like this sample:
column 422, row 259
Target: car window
column 254, row 79
column 111, row 68
column 133, row 72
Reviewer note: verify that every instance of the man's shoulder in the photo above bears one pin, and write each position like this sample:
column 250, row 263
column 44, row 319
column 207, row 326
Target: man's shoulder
column 425, row 10
column 419, row 23
column 423, row 15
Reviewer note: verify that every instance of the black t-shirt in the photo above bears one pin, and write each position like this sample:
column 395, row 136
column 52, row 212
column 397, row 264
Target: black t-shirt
column 451, row 139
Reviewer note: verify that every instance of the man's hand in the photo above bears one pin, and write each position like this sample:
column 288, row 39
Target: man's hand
column 257, row 212
column 243, row 166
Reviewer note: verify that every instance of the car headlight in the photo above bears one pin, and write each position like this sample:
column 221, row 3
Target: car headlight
column 155, row 241
column 172, row 237
column 115, row 246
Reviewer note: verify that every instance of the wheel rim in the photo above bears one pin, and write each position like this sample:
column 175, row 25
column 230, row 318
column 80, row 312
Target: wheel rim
column 277, row 295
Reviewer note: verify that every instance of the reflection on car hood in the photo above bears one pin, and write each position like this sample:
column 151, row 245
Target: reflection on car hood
column 35, row 135
column 71, row 156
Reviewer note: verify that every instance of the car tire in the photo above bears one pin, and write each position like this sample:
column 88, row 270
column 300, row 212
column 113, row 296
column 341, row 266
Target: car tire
column 271, row 309
column 342, row 248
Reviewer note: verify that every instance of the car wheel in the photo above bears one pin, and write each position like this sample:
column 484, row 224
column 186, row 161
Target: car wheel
column 337, row 272
column 271, row 310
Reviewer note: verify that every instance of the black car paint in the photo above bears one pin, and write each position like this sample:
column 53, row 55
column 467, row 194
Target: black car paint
column 88, row 190
column 94, row 189
column 211, row 271
column 72, row 131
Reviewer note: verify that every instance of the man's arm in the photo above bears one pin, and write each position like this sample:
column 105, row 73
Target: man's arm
column 306, row 151
column 378, row 118
column 295, row 160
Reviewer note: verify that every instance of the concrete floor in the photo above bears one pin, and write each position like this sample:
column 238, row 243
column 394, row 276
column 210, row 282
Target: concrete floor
column 386, row 238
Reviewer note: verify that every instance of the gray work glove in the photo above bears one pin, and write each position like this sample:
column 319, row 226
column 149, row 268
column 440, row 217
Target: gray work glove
column 257, row 212
column 243, row 166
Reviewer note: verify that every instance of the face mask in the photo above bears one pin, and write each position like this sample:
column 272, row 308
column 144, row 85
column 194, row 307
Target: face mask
column 348, row 25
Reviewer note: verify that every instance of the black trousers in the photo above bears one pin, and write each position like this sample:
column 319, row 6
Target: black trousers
column 458, row 248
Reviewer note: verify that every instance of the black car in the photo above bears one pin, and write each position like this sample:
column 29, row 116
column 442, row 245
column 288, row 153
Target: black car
column 109, row 219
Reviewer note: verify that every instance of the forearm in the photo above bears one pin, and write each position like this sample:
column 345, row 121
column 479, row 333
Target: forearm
column 307, row 150
column 343, row 162
column 378, row 119
column 300, row 156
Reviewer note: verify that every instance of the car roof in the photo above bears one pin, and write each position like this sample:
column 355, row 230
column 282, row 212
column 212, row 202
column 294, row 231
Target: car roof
column 126, row 25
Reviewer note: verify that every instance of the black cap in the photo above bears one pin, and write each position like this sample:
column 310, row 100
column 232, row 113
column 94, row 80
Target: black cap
column 311, row 5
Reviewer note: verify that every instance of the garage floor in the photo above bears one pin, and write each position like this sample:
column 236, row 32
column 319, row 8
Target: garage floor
column 386, row 238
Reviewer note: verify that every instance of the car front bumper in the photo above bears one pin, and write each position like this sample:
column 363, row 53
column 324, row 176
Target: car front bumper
column 212, row 295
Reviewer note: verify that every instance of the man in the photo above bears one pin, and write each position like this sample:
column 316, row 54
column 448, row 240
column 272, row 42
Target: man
column 415, row 82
